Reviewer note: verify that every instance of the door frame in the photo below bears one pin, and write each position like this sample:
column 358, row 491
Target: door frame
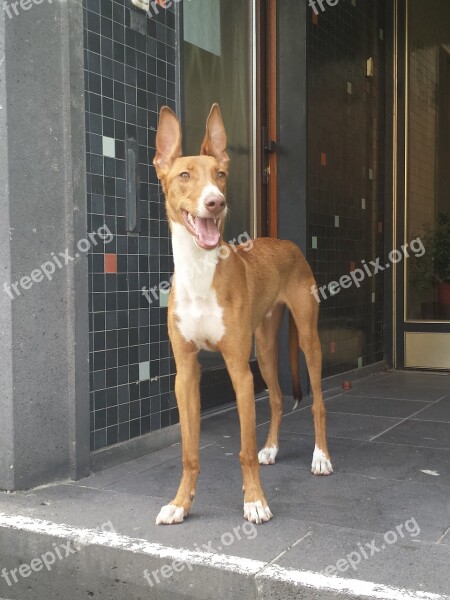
column 265, row 102
column 400, row 140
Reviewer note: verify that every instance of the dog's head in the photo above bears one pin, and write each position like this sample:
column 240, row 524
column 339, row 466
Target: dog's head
column 194, row 186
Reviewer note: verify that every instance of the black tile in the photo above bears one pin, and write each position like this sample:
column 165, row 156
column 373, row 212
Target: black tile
column 121, row 82
column 419, row 433
column 360, row 405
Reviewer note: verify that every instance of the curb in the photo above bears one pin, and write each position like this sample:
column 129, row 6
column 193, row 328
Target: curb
column 107, row 565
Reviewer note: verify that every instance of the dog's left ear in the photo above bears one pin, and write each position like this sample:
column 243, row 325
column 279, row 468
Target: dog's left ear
column 168, row 141
column 215, row 142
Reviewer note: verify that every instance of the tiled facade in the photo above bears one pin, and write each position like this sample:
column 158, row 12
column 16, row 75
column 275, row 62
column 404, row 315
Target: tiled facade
column 130, row 72
column 346, row 108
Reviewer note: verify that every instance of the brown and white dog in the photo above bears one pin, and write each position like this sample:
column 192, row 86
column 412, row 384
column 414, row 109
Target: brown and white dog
column 221, row 306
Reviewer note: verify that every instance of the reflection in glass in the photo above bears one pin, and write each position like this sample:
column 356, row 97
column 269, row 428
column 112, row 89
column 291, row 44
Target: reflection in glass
column 428, row 199
column 217, row 67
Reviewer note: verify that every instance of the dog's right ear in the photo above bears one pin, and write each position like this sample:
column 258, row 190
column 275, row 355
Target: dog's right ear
column 215, row 142
column 168, row 141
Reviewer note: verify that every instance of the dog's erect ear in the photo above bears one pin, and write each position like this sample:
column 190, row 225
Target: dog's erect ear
column 215, row 142
column 168, row 141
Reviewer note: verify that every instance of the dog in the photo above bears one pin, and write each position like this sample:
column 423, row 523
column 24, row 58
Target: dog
column 223, row 305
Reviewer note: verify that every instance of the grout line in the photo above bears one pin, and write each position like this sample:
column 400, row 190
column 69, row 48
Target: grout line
column 338, row 412
column 431, row 421
column 406, row 419
column 206, row 446
column 287, row 549
column 419, row 373
column 367, row 441
column 329, row 437
column 305, row 470
column 350, row 395
column 412, row 445
column 443, row 535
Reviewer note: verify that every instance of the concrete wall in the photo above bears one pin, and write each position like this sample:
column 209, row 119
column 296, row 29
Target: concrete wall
column 44, row 330
column 6, row 379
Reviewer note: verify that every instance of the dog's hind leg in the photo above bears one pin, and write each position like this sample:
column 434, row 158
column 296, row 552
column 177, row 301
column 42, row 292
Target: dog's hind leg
column 305, row 311
column 266, row 337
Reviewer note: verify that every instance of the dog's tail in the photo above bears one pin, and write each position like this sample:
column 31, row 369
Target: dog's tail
column 294, row 364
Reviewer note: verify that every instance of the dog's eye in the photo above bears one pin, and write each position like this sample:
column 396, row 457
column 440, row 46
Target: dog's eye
column 185, row 175
column 221, row 174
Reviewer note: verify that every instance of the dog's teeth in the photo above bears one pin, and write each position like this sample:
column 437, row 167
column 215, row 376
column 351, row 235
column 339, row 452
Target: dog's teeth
column 215, row 221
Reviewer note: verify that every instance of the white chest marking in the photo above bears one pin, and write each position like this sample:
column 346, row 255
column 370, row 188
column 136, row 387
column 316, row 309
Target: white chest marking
column 200, row 318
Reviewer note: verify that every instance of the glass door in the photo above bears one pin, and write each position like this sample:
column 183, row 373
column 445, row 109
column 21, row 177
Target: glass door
column 424, row 224
column 219, row 61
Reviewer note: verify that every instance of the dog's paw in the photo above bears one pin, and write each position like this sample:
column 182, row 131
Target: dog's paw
column 267, row 455
column 320, row 465
column 142, row 4
column 170, row 515
column 255, row 512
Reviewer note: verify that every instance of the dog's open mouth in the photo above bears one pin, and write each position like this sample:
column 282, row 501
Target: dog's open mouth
column 206, row 232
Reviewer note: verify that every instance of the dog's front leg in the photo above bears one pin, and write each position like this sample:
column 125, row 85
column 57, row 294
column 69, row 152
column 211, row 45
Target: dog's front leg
column 187, row 390
column 256, row 509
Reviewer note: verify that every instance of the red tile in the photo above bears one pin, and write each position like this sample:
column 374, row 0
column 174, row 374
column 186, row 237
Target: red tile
column 110, row 263
column 352, row 266
column 323, row 159
column 315, row 18
column 332, row 347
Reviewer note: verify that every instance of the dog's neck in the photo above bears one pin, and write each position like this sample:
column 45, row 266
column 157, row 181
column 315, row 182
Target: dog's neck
column 194, row 266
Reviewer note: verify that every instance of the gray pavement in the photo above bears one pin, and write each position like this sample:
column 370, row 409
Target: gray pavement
column 377, row 527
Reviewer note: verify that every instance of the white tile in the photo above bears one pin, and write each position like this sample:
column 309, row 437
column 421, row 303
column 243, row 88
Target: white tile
column 371, row 174
column 109, row 147
column 381, row 34
column 360, row 362
column 373, row 298
column 363, row 203
column 336, row 220
column 349, row 87
column 144, row 371
column 314, row 243
column 164, row 298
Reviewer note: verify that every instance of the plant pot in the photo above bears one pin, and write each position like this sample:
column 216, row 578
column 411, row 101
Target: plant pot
column 443, row 289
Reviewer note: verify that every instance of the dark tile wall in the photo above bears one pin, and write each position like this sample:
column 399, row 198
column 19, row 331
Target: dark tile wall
column 130, row 72
column 346, row 175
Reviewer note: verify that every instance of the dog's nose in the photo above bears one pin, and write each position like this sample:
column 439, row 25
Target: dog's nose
column 215, row 204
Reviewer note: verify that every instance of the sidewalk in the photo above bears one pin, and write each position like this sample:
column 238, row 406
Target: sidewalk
column 390, row 444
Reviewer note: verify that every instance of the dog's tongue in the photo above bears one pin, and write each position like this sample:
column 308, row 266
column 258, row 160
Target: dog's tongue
column 208, row 233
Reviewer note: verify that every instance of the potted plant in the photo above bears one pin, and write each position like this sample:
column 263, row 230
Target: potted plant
column 434, row 267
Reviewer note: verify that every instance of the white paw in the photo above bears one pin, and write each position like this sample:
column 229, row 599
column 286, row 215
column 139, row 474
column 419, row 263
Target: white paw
column 267, row 455
column 143, row 4
column 255, row 512
column 170, row 514
column 320, row 464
